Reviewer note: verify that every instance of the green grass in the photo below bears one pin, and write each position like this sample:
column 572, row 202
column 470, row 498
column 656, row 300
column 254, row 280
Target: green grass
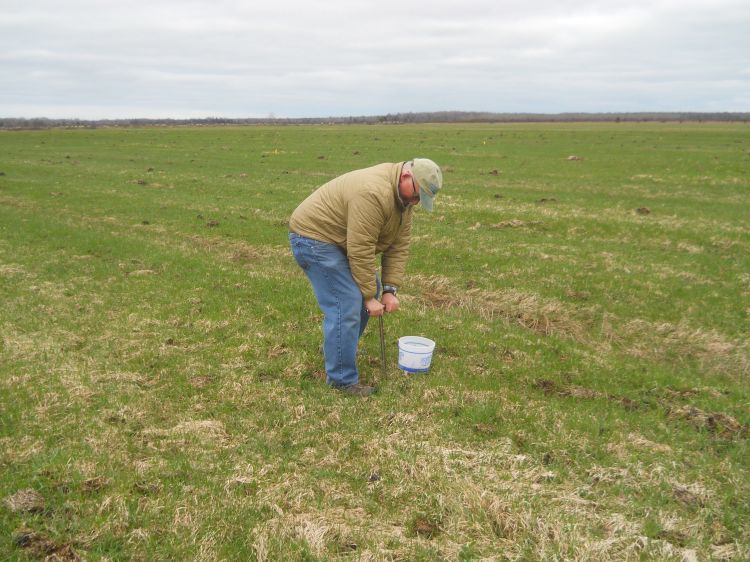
column 162, row 392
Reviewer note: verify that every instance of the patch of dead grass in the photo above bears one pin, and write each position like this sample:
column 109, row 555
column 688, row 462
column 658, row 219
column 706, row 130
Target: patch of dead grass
column 541, row 316
column 26, row 501
column 544, row 316
column 514, row 223
column 205, row 432
column 237, row 251
column 123, row 377
column 334, row 531
column 42, row 547
column 694, row 494
column 659, row 340
column 607, row 474
column 200, row 381
column 12, row 269
column 20, row 450
column 116, row 514
column 17, row 345
column 640, row 442
column 718, row 423
column 730, row 551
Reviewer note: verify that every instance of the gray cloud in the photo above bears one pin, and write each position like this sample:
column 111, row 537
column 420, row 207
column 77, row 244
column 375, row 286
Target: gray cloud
column 230, row 58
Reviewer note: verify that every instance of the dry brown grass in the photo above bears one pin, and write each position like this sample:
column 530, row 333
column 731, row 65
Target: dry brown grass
column 488, row 495
column 191, row 434
column 42, row 547
column 656, row 340
column 26, row 501
column 545, row 316
column 640, row 442
column 541, row 316
column 236, row 251
column 11, row 269
column 514, row 223
column 714, row 422
column 27, row 346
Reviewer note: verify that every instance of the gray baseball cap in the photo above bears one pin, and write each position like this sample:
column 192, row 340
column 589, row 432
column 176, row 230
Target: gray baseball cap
column 429, row 178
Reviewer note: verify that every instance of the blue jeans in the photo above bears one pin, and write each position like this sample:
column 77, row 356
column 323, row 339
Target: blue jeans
column 344, row 314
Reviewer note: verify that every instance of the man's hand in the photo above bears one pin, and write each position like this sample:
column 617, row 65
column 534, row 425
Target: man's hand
column 374, row 308
column 390, row 302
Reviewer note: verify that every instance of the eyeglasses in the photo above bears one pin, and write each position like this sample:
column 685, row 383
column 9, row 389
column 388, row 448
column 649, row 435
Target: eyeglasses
column 415, row 191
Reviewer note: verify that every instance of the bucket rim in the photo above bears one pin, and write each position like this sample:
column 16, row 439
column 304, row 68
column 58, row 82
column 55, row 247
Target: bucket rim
column 417, row 339
column 416, row 346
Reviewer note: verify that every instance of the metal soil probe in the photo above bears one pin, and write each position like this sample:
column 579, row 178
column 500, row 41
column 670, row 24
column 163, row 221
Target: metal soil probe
column 382, row 345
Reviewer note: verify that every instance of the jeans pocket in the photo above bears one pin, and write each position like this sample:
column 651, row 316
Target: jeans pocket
column 297, row 245
column 329, row 256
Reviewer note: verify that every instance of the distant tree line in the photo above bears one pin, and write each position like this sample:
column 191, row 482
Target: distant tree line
column 392, row 118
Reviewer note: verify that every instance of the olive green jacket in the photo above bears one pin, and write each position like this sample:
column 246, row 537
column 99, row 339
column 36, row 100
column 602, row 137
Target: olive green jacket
column 362, row 213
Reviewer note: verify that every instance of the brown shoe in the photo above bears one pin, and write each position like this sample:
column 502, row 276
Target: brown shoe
column 357, row 389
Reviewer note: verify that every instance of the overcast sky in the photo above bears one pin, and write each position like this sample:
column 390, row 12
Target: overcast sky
column 101, row 59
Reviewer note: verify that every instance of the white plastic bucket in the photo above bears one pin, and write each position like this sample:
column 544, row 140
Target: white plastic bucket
column 415, row 354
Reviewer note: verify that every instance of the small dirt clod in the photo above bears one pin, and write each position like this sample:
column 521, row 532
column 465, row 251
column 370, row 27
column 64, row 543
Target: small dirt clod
column 425, row 528
column 95, row 484
column 200, row 381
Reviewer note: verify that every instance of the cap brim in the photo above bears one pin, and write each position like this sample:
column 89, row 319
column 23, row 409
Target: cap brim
column 426, row 199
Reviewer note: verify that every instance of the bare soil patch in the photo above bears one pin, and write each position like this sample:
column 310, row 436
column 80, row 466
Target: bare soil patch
column 425, row 528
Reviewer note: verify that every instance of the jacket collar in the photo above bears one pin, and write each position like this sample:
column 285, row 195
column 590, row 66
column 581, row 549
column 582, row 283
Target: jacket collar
column 397, row 194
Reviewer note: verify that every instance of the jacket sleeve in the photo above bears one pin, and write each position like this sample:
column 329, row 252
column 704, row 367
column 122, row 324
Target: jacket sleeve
column 394, row 258
column 365, row 219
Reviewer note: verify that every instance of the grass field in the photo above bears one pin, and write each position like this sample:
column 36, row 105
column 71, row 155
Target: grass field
column 162, row 394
